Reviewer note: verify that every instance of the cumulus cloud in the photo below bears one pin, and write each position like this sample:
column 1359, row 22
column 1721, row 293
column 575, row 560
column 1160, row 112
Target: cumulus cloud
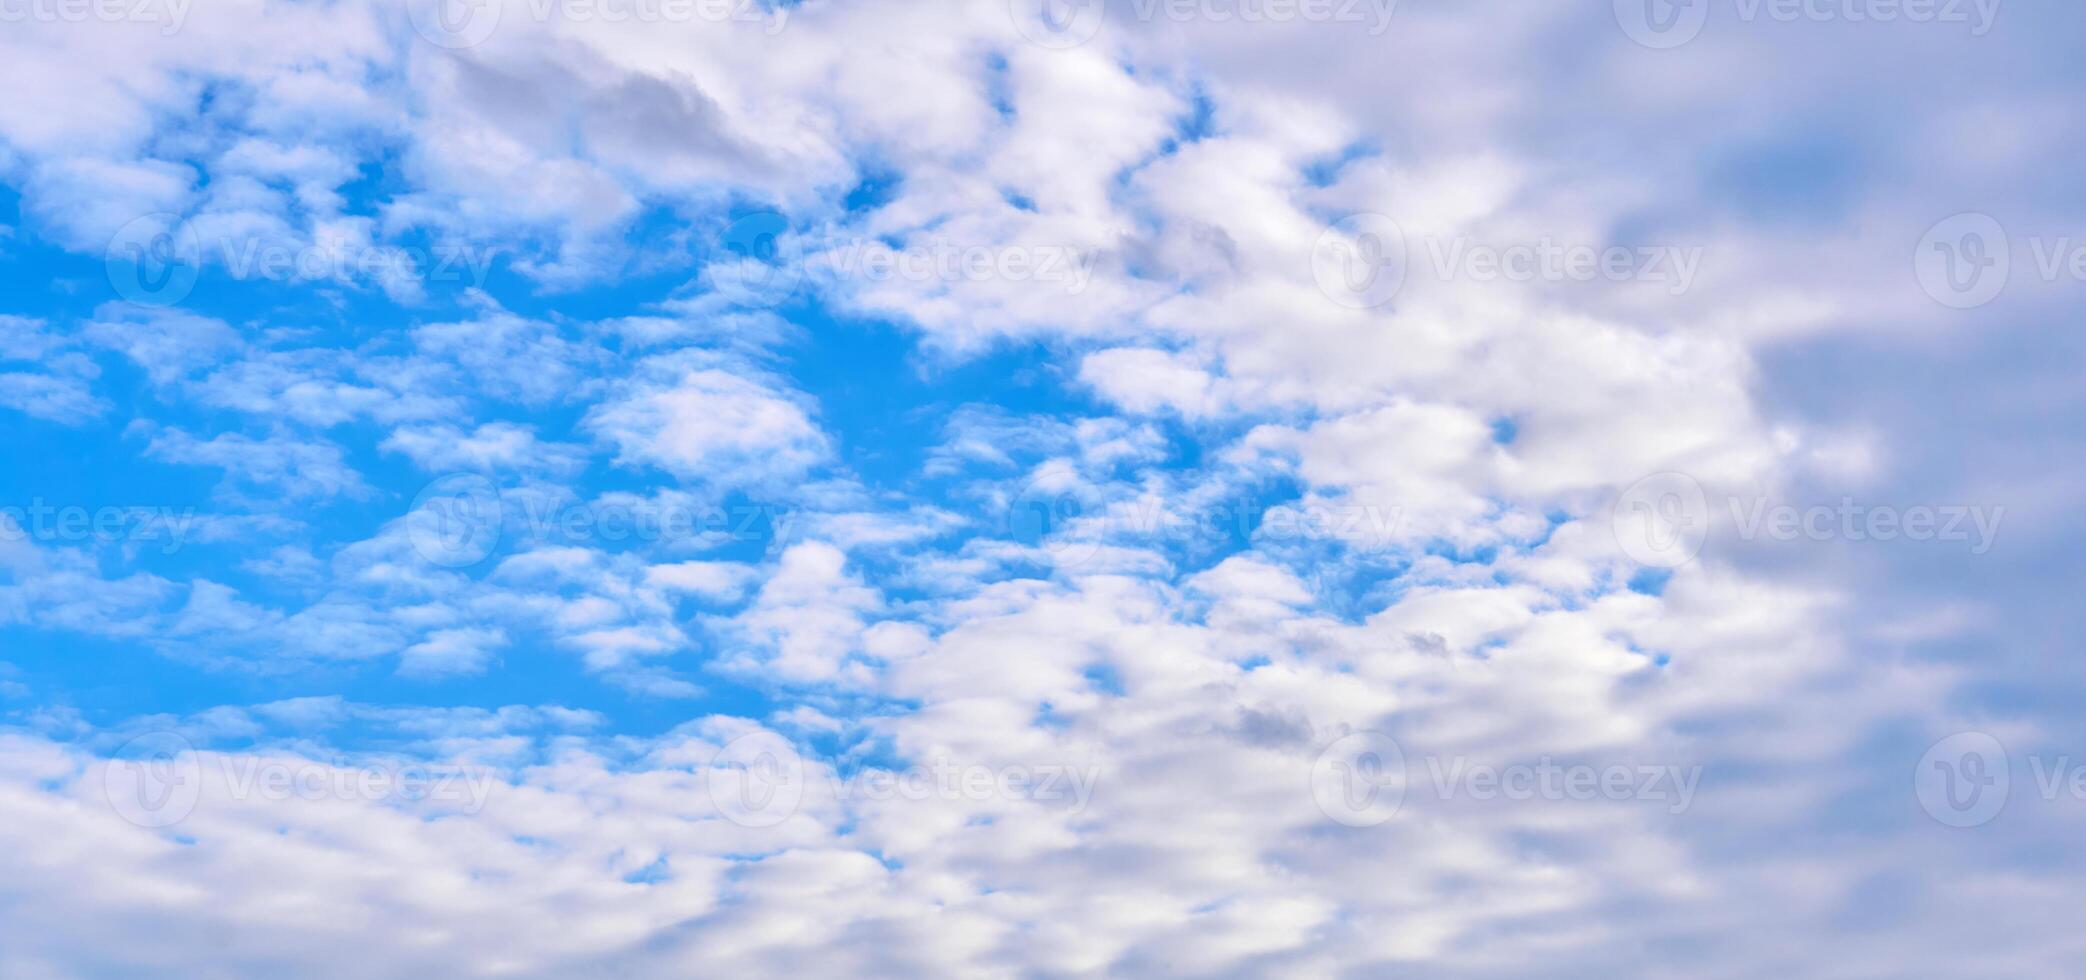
column 705, row 423
column 808, row 620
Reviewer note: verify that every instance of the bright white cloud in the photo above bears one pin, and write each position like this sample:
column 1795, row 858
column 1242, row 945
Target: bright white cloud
column 704, row 423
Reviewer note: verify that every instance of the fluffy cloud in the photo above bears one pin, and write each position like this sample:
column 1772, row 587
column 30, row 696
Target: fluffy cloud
column 698, row 421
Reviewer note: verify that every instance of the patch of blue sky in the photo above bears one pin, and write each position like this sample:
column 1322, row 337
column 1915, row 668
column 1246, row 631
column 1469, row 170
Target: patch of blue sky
column 885, row 402
column 1325, row 171
column 1650, row 581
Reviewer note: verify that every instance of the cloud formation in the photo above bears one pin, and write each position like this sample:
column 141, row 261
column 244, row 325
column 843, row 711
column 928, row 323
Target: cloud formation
column 1025, row 490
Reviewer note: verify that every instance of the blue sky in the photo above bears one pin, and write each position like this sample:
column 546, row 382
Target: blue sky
column 1038, row 489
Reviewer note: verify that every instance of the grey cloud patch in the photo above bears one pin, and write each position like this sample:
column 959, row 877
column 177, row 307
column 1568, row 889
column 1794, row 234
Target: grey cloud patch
column 670, row 125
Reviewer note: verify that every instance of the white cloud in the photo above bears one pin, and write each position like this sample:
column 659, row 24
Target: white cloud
column 67, row 400
column 1144, row 381
column 295, row 468
column 168, row 344
column 453, row 651
column 702, row 422
column 807, row 622
column 493, row 445
column 710, row 579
